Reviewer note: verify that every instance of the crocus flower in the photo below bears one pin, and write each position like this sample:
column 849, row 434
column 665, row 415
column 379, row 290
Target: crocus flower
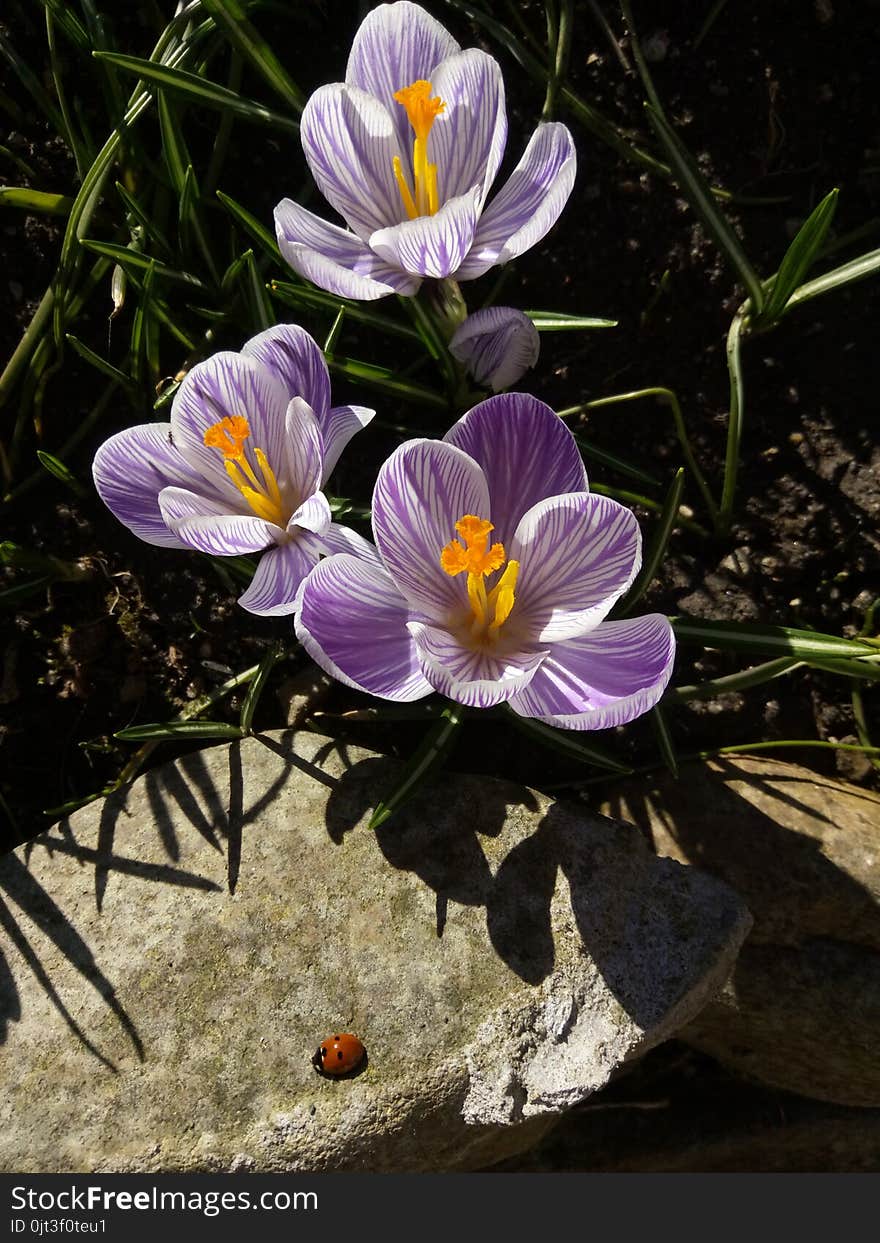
column 497, row 346
column 493, row 571
column 239, row 468
column 406, row 150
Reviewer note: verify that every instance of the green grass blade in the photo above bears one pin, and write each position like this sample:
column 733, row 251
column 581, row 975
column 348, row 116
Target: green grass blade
column 256, row 293
column 38, row 201
column 664, row 740
column 428, row 758
column 555, row 321
column 856, row 270
column 174, row 149
column 137, row 260
column 101, row 364
column 140, row 217
column 386, row 381
column 759, row 640
column 735, row 417
column 187, row 731
column 799, row 258
column 657, row 548
column 699, row 193
column 231, row 19
column 302, row 296
column 566, row 742
column 254, row 228
column 198, row 90
column 258, row 685
column 61, row 472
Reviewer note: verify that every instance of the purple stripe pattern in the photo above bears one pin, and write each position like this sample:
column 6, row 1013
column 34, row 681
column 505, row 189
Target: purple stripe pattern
column 437, row 605
column 240, row 467
column 356, row 133
column 497, row 345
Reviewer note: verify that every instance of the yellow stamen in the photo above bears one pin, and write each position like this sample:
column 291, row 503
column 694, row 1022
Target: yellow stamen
column 488, row 611
column 422, row 111
column 264, row 497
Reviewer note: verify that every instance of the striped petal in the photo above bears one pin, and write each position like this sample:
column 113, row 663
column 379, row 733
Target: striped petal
column 468, row 138
column 342, row 539
column 497, row 346
column 526, row 452
column 279, row 576
column 337, row 428
column 432, row 245
column 229, row 384
column 605, row 678
column 422, row 490
column 350, row 143
column 296, row 360
column 209, row 527
column 334, row 259
column 131, row 469
column 577, row 555
column 313, row 516
column 352, row 621
column 478, row 677
column 303, row 471
column 396, row 45
column 528, row 204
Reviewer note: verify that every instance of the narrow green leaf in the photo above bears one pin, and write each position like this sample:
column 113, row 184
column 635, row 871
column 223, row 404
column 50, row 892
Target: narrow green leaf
column 11, row 597
column 427, row 760
column 799, row 257
column 144, row 219
column 101, row 364
column 186, row 730
column 743, row 680
column 554, row 321
column 867, row 670
column 32, row 84
column 231, row 18
column 736, row 412
column 856, row 270
column 335, row 330
column 300, row 295
column 38, row 201
column 595, row 453
column 386, row 381
column 130, row 258
column 257, row 686
column 626, row 497
column 256, row 293
column 757, row 639
column 198, row 90
column 174, row 148
column 251, row 225
column 566, row 742
column 664, row 740
column 657, row 548
column 699, row 194
column 57, row 468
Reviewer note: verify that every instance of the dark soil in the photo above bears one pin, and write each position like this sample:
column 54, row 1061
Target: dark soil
column 778, row 101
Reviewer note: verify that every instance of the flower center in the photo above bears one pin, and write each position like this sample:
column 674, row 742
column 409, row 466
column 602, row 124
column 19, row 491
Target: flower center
column 489, row 610
column 422, row 111
column 263, row 495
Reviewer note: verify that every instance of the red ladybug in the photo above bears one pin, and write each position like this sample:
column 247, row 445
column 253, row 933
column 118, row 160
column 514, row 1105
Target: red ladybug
column 339, row 1054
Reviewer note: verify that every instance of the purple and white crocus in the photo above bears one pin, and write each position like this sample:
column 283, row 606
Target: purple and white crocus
column 493, row 570
column 240, row 467
column 406, row 150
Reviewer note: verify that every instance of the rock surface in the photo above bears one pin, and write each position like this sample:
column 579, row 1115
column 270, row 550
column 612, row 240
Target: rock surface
column 177, row 953
column 801, row 1010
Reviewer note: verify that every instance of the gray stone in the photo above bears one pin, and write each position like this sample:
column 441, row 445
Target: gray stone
column 801, row 1010
column 177, row 954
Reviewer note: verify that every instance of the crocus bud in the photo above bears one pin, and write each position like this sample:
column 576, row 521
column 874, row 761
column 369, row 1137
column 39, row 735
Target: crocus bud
column 497, row 346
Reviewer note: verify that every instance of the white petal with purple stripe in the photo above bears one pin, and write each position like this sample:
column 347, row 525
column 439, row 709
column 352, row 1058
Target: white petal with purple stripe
column 279, row 576
column 432, row 245
column 605, row 678
column 526, row 452
column 477, row 676
column 296, row 360
column 468, row 138
column 334, row 259
column 577, row 555
column 422, row 490
column 208, row 526
column 352, row 621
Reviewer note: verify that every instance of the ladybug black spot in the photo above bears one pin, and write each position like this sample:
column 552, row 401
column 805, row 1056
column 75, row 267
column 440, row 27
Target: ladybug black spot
column 339, row 1054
